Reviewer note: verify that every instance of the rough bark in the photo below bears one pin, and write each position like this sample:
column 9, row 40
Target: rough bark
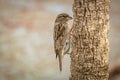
column 89, row 58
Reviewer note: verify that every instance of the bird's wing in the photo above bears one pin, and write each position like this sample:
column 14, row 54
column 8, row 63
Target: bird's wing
column 58, row 38
column 58, row 31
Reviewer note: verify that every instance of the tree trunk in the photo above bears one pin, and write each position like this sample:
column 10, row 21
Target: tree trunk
column 90, row 54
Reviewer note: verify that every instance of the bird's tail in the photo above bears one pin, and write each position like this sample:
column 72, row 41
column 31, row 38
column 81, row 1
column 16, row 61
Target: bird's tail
column 56, row 56
column 57, row 53
column 60, row 62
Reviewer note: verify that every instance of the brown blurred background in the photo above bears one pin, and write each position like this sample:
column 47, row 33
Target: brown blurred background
column 26, row 39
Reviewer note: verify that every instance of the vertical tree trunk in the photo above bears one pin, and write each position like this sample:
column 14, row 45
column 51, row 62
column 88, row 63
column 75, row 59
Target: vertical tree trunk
column 89, row 58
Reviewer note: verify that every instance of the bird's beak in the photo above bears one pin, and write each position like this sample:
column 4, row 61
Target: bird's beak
column 70, row 18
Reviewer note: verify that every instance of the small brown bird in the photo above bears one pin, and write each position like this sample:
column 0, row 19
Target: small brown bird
column 60, row 31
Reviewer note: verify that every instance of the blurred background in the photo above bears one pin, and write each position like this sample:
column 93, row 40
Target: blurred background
column 26, row 39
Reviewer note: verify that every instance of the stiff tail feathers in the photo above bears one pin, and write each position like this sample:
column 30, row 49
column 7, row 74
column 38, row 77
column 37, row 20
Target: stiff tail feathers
column 60, row 62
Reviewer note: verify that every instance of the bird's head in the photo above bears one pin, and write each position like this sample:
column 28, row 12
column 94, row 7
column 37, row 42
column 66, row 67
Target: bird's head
column 63, row 17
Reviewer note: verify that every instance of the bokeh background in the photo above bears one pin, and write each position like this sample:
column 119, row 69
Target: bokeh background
column 26, row 39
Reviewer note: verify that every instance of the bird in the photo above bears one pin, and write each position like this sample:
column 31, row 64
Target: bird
column 60, row 32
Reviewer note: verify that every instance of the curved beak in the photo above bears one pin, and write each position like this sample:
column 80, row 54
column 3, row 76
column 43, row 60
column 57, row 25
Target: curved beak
column 70, row 18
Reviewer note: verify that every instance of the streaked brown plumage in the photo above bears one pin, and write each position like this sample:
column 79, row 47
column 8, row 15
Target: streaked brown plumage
column 60, row 31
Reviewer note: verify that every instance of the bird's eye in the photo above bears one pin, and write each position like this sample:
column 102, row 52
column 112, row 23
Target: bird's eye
column 64, row 16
